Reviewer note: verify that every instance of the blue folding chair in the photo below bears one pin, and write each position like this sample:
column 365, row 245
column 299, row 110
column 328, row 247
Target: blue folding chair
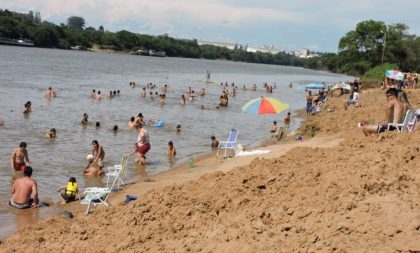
column 230, row 143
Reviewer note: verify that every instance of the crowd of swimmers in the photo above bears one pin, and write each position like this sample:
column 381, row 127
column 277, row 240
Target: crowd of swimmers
column 25, row 192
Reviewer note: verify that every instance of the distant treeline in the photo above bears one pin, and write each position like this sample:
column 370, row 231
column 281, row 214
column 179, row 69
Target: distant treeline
column 74, row 33
column 370, row 44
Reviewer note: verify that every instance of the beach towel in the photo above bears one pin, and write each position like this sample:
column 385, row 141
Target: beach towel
column 254, row 152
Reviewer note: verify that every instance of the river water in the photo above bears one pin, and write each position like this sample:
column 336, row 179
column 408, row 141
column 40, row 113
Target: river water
column 26, row 73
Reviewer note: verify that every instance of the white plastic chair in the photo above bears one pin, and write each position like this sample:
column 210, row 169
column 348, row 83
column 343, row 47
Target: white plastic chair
column 402, row 126
column 117, row 172
column 95, row 196
column 230, row 143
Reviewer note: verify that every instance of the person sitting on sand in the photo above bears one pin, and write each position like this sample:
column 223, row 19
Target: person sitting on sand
column 171, row 152
column 23, row 189
column 20, row 158
column 394, row 114
column 353, row 100
column 50, row 93
column 51, row 134
column 214, row 142
column 99, row 155
column 274, row 127
column 71, row 191
column 28, row 107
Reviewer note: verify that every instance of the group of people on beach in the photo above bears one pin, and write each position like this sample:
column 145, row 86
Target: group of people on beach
column 25, row 192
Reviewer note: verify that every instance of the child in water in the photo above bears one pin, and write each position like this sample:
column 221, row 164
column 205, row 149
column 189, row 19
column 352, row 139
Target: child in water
column 171, row 150
column 71, row 192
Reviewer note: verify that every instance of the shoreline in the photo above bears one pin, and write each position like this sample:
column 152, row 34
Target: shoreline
column 206, row 163
column 150, row 181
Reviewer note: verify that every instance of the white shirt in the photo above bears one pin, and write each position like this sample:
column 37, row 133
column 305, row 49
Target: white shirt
column 355, row 96
column 145, row 139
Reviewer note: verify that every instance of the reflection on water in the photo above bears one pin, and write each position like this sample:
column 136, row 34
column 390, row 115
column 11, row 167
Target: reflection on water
column 25, row 74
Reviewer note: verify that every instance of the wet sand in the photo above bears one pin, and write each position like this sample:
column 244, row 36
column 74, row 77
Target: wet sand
column 337, row 192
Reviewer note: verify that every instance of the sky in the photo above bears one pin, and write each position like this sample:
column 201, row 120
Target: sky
column 287, row 25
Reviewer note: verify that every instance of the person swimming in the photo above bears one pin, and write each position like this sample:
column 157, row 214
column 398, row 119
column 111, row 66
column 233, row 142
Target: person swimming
column 51, row 134
column 171, row 151
column 28, row 107
column 85, row 119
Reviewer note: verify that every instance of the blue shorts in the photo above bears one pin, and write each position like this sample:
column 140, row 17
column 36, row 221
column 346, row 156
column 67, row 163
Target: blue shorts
column 308, row 107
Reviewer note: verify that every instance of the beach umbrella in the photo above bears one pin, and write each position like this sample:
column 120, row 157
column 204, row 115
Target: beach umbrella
column 264, row 105
column 395, row 75
column 341, row 86
column 314, row 86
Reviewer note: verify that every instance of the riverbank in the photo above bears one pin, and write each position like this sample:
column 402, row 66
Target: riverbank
column 339, row 191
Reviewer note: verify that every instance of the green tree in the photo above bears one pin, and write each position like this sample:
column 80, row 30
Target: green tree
column 75, row 22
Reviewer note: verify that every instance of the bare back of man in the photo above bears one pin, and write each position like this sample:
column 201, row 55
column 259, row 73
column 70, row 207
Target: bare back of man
column 23, row 189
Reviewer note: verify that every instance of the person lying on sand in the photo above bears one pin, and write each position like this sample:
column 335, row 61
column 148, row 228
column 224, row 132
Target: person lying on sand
column 394, row 113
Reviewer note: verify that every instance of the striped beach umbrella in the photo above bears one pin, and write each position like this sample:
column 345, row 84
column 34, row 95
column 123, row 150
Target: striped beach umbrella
column 395, row 74
column 264, row 105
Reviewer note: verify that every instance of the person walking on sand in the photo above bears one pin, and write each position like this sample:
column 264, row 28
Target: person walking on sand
column 19, row 156
column 25, row 191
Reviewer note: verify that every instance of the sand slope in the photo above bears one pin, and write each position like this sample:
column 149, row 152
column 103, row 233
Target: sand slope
column 361, row 195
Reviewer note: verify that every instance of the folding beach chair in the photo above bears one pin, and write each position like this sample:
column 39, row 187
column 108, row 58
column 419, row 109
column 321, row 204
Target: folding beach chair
column 281, row 134
column 230, row 143
column 403, row 126
column 95, row 196
column 117, row 172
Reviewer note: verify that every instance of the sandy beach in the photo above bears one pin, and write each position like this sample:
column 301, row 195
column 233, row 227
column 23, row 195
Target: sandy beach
column 336, row 192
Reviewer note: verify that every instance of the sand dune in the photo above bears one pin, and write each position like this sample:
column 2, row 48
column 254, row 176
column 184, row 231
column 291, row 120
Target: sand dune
column 338, row 192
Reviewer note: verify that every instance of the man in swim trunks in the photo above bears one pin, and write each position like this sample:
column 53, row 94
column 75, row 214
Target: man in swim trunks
column 309, row 100
column 143, row 144
column 394, row 113
column 19, row 156
column 23, row 189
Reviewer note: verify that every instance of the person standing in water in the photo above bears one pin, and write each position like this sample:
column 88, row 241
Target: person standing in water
column 20, row 159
